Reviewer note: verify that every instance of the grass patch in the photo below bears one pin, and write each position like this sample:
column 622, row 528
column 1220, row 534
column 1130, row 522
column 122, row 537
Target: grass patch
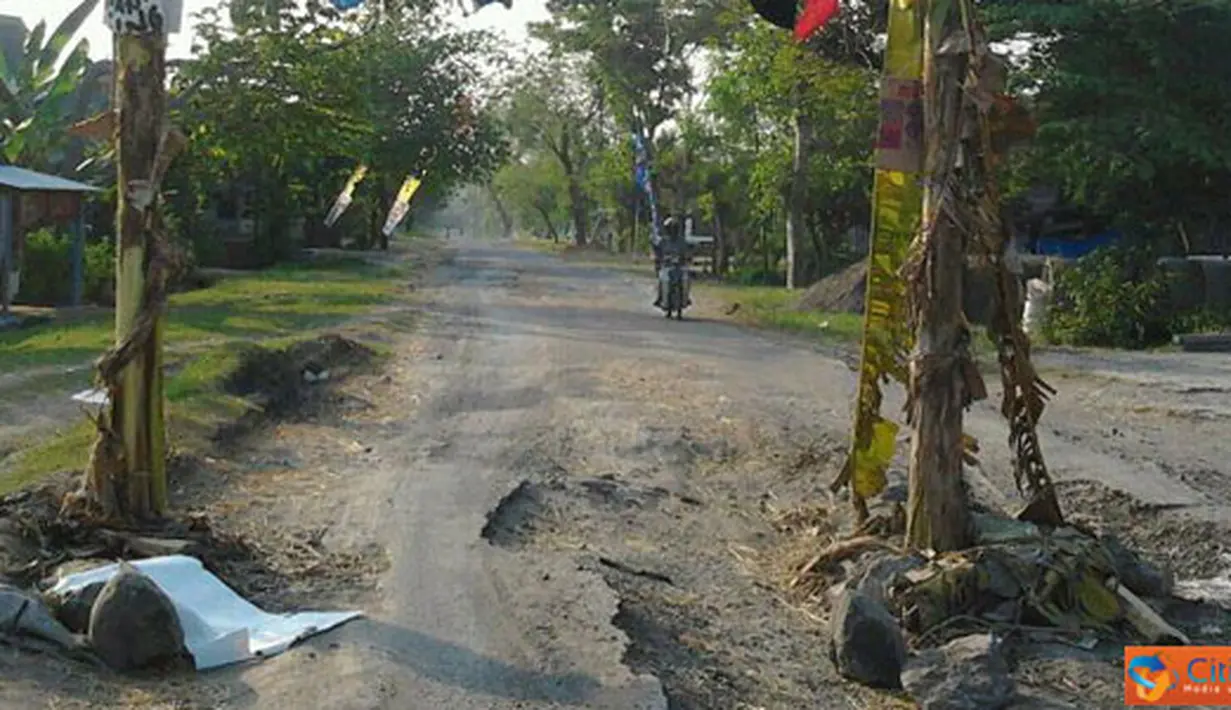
column 271, row 309
column 770, row 307
column 277, row 302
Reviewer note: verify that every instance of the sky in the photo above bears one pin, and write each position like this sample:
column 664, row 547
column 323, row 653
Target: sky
column 494, row 17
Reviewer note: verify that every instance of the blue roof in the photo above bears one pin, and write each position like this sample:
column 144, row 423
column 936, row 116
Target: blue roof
column 21, row 179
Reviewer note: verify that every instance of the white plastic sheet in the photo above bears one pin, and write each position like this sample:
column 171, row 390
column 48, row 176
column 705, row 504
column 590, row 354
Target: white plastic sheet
column 220, row 627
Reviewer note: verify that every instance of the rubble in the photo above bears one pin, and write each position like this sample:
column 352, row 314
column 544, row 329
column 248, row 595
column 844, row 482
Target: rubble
column 1020, row 579
column 23, row 617
column 968, row 673
column 72, row 607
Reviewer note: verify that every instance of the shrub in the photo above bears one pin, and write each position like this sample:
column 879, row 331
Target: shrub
column 100, row 272
column 47, row 270
column 1113, row 297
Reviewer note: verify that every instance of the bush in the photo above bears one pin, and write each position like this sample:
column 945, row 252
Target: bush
column 100, row 273
column 47, row 270
column 1113, row 297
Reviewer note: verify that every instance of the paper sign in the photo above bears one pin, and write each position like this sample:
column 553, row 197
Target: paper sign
column 899, row 146
column 141, row 17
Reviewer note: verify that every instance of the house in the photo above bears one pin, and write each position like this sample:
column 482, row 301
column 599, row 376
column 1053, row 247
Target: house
column 28, row 201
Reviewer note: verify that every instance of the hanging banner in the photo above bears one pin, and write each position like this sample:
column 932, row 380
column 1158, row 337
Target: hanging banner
column 344, row 198
column 401, row 205
column 641, row 176
column 897, row 207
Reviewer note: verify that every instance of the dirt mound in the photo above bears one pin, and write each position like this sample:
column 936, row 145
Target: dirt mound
column 276, row 379
column 842, row 292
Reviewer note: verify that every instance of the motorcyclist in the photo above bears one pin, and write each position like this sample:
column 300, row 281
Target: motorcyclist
column 672, row 241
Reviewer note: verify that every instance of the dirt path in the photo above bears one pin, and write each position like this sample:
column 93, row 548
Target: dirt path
column 580, row 502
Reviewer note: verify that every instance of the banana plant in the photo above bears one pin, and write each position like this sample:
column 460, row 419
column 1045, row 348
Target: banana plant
column 40, row 94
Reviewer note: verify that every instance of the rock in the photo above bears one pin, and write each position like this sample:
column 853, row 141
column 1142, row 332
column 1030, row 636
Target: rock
column 865, row 642
column 72, row 607
column 968, row 673
column 16, row 549
column 23, row 614
column 133, row 624
column 1036, row 699
column 1141, row 577
column 997, row 529
column 885, row 571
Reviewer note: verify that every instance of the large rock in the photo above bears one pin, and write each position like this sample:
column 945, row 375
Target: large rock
column 133, row 624
column 24, row 615
column 865, row 642
column 968, row 673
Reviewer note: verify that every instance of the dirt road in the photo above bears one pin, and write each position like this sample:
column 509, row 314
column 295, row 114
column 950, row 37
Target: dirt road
column 582, row 504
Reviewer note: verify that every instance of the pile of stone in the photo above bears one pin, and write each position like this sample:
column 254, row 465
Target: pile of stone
column 128, row 623
column 1017, row 575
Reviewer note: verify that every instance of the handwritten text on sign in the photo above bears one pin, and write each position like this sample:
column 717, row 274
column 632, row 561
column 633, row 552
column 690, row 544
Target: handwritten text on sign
column 136, row 17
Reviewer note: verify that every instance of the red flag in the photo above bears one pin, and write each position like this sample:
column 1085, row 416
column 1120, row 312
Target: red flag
column 816, row 13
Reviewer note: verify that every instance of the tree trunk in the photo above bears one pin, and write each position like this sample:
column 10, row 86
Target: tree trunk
column 140, row 486
column 817, row 236
column 937, row 514
column 387, row 196
column 506, row 220
column 551, row 228
column 798, row 193
column 720, row 244
column 764, row 249
column 577, row 207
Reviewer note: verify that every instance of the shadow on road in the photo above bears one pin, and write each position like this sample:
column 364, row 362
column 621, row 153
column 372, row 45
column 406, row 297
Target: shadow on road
column 450, row 664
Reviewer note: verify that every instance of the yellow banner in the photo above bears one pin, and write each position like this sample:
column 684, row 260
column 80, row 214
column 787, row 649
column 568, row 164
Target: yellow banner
column 897, row 206
column 345, row 197
column 401, row 205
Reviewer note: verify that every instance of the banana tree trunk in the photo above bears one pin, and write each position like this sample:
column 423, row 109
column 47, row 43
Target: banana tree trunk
column 138, row 489
column 937, row 514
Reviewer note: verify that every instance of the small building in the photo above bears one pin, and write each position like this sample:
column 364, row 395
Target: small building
column 31, row 200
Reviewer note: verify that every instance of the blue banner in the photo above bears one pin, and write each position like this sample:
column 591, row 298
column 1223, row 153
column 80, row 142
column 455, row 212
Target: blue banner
column 641, row 176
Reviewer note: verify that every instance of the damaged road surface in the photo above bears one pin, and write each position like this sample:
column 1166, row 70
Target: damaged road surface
column 555, row 475
column 560, row 499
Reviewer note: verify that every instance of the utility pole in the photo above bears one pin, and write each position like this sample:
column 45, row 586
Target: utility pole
column 127, row 475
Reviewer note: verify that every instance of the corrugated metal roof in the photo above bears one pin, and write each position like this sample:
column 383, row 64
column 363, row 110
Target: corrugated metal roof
column 22, row 179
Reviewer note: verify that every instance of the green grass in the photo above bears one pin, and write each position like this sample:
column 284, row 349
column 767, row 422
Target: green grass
column 770, row 307
column 277, row 302
column 272, row 309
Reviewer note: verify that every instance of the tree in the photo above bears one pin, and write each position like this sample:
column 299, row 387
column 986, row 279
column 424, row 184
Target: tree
column 1131, row 99
column 551, row 109
column 40, row 93
column 636, row 55
column 804, row 123
column 535, row 187
column 264, row 107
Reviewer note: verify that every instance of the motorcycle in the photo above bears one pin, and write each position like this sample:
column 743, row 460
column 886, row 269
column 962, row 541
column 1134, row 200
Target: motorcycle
column 675, row 287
